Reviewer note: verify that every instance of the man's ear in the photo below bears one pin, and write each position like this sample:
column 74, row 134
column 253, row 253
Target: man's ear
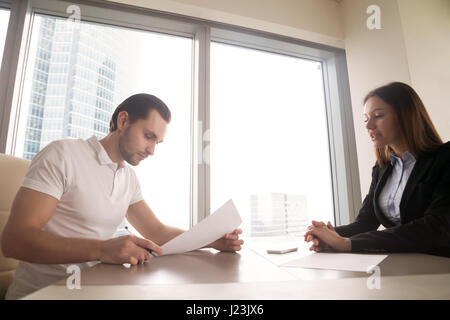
column 122, row 119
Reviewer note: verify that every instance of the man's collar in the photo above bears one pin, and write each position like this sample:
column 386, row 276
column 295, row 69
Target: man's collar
column 102, row 156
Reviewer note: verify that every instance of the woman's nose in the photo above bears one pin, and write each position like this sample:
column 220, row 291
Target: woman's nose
column 369, row 124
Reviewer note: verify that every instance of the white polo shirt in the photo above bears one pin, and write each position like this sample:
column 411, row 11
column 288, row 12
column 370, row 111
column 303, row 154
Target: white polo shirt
column 94, row 194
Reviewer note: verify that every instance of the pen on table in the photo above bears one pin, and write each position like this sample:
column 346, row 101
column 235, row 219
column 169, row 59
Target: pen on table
column 149, row 250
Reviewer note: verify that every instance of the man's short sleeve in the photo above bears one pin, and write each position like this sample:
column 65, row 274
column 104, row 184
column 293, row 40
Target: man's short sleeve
column 137, row 194
column 48, row 171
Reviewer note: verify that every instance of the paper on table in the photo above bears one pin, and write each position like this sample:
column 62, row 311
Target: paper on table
column 337, row 261
column 223, row 220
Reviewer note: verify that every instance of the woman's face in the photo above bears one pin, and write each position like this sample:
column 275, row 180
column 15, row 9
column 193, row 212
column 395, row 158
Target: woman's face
column 382, row 124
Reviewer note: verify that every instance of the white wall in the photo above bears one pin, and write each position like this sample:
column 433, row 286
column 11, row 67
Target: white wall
column 302, row 19
column 426, row 30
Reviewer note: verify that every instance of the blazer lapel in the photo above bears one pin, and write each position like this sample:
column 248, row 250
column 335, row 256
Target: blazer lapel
column 384, row 173
column 420, row 168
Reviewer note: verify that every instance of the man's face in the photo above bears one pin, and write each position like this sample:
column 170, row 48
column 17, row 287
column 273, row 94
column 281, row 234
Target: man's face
column 138, row 140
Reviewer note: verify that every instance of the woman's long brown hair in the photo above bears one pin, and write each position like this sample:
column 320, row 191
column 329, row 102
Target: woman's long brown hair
column 415, row 124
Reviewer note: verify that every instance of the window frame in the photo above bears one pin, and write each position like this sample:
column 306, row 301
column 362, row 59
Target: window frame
column 341, row 136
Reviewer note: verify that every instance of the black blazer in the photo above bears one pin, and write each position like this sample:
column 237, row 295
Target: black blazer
column 424, row 210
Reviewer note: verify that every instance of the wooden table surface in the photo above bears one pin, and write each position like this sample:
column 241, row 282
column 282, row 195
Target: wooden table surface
column 253, row 274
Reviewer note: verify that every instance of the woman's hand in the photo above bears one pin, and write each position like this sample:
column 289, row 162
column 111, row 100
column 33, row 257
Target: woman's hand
column 229, row 242
column 324, row 236
column 317, row 244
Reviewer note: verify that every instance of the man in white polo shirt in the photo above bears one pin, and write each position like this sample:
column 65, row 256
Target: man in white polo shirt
column 77, row 192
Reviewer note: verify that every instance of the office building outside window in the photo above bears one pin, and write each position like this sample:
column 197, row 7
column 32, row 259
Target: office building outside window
column 74, row 81
column 278, row 214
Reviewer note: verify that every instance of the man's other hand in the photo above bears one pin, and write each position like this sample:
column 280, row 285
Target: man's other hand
column 229, row 242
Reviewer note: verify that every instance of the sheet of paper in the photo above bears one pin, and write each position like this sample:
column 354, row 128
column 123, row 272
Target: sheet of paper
column 337, row 261
column 223, row 220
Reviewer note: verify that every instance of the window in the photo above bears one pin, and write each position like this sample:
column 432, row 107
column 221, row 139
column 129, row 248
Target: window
column 4, row 19
column 73, row 95
column 270, row 114
column 269, row 141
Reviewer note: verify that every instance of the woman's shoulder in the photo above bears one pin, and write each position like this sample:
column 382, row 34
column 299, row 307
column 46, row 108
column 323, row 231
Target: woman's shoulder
column 441, row 154
column 443, row 150
column 446, row 146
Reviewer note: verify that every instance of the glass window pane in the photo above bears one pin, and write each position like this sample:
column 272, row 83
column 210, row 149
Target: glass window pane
column 79, row 73
column 4, row 19
column 269, row 147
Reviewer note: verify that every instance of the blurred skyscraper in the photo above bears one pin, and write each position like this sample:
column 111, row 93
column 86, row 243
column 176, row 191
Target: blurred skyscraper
column 276, row 214
column 75, row 82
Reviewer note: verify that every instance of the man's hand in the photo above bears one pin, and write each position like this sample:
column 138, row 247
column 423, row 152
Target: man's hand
column 324, row 236
column 127, row 249
column 229, row 242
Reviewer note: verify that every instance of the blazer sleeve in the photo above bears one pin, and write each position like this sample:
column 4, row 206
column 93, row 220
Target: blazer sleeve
column 366, row 219
column 429, row 234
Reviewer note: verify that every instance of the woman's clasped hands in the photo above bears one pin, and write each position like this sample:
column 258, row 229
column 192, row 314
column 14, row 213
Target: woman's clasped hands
column 324, row 237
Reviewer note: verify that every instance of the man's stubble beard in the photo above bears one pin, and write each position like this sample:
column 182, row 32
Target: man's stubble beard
column 123, row 141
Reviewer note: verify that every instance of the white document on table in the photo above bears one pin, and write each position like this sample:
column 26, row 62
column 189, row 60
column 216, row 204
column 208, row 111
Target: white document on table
column 337, row 261
column 223, row 220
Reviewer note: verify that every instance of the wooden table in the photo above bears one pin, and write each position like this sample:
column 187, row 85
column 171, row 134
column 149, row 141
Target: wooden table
column 251, row 274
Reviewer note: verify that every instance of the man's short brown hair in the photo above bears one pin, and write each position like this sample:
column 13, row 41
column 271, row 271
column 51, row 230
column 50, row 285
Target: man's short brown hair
column 138, row 106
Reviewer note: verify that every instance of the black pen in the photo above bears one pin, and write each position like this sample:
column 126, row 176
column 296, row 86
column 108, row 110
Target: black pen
column 149, row 250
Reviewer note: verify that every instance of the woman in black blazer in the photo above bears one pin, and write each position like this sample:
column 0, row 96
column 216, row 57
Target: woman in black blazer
column 410, row 190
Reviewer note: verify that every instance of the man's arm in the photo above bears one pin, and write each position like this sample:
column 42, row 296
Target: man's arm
column 146, row 223
column 24, row 239
column 144, row 220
